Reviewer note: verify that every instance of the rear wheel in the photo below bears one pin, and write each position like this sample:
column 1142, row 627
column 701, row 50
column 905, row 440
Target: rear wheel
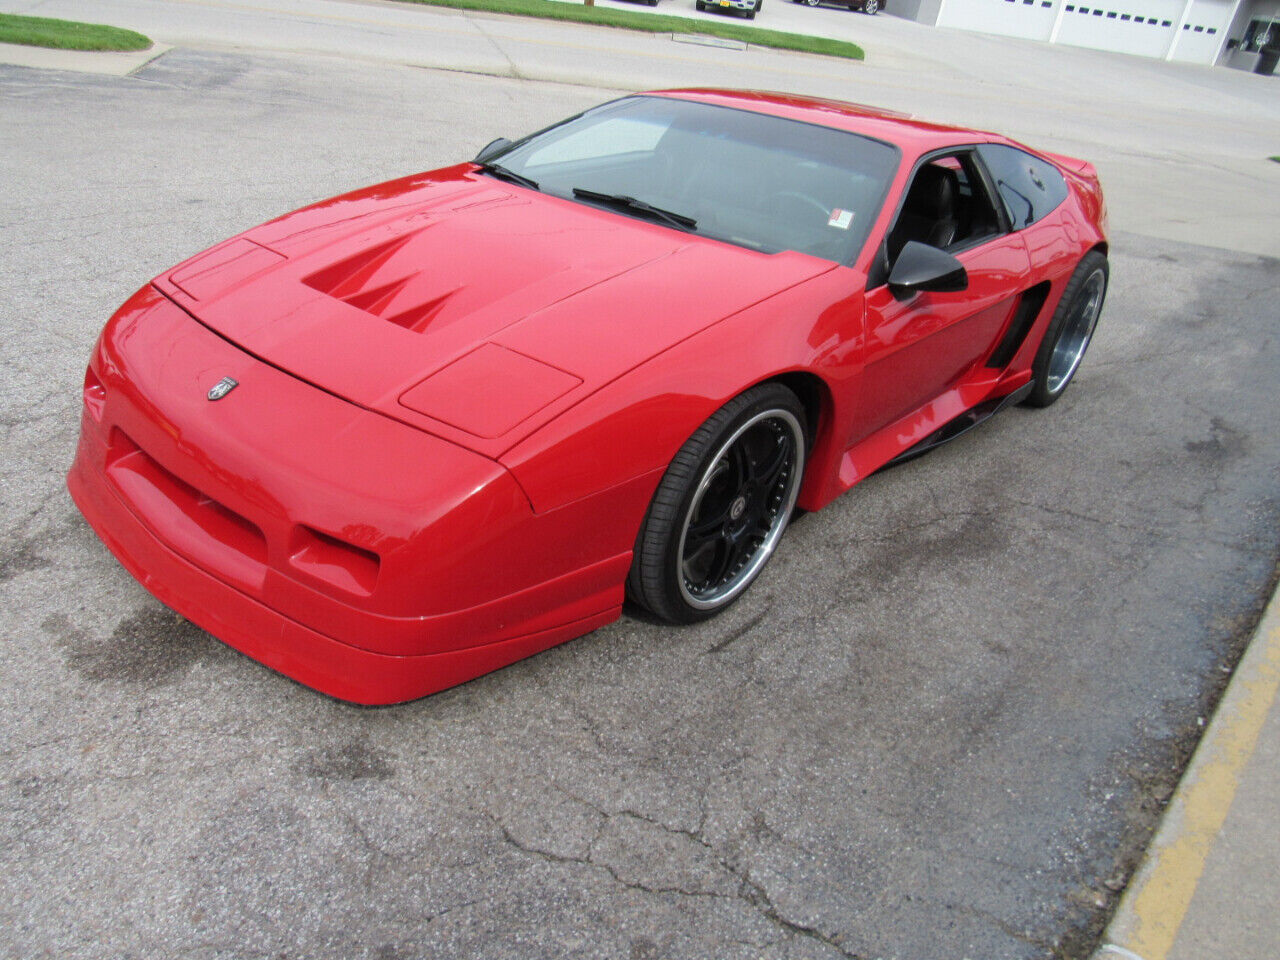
column 812, row 3
column 721, row 507
column 700, row 5
column 1070, row 331
column 871, row 7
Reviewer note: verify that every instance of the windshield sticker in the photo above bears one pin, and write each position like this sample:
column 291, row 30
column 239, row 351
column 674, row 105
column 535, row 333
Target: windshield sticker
column 840, row 219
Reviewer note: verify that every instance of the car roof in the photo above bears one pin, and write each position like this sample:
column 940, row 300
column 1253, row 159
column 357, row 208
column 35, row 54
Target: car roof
column 902, row 129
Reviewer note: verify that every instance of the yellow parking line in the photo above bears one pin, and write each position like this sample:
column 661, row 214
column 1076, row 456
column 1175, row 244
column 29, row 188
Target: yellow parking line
column 1153, row 908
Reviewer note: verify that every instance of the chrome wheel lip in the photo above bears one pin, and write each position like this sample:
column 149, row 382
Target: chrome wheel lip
column 740, row 581
column 1076, row 333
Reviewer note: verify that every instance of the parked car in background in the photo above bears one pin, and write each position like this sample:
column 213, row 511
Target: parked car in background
column 748, row 8
column 869, row 7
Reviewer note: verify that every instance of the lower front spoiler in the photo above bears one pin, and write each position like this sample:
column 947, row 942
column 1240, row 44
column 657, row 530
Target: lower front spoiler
column 334, row 668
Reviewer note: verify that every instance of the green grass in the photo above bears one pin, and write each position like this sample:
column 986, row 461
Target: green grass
column 67, row 34
column 656, row 23
column 1276, row 159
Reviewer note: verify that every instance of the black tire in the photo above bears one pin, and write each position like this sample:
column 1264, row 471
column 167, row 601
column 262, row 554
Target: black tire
column 811, row 3
column 1070, row 330
column 721, row 507
column 871, row 7
column 700, row 5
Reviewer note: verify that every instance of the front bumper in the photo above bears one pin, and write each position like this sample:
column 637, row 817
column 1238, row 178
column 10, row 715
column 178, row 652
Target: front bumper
column 354, row 554
column 308, row 656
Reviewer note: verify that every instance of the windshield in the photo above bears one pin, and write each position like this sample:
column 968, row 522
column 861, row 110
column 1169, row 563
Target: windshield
column 762, row 182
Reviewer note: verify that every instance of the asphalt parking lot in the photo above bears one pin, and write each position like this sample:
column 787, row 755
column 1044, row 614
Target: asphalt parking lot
column 940, row 727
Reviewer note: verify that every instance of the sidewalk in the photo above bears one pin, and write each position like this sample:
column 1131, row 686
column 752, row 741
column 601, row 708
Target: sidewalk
column 1210, row 884
column 106, row 62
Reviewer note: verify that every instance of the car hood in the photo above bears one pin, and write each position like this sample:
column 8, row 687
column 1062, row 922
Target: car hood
column 467, row 307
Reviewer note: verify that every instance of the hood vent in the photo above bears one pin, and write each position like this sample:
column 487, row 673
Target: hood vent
column 364, row 282
column 419, row 318
column 349, row 277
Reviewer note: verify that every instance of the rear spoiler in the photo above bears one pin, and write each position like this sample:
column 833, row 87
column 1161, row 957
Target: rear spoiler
column 1086, row 176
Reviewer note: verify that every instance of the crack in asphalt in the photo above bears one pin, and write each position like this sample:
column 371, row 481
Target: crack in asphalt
column 749, row 891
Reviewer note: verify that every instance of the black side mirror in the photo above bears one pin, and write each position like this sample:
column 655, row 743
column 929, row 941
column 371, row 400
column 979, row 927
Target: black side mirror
column 492, row 148
column 922, row 267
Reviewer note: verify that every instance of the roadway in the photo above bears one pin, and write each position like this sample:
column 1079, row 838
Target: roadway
column 943, row 724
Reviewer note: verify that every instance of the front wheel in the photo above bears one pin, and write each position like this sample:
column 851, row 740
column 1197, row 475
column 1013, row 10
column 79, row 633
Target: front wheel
column 700, row 5
column 721, row 507
column 1070, row 330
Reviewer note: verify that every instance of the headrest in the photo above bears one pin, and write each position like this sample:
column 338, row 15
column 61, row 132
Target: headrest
column 933, row 194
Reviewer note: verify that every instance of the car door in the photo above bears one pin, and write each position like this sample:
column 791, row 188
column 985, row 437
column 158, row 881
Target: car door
column 921, row 345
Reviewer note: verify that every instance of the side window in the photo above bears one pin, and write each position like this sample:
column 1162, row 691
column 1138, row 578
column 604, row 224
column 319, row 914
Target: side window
column 946, row 206
column 1029, row 187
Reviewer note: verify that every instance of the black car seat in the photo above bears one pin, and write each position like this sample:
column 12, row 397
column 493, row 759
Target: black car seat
column 929, row 214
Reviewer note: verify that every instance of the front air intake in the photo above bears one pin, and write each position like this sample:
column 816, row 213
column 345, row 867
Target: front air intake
column 343, row 565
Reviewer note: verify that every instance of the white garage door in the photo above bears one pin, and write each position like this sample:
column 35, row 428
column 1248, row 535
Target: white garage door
column 1144, row 27
column 1032, row 19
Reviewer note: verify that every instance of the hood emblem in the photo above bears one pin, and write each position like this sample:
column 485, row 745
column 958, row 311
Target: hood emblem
column 223, row 387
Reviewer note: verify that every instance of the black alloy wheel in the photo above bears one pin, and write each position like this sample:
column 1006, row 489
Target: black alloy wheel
column 721, row 507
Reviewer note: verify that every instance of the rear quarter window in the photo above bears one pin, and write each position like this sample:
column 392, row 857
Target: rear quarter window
column 1029, row 188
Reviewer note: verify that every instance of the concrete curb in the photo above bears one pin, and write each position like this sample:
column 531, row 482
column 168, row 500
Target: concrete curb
column 112, row 63
column 1151, row 912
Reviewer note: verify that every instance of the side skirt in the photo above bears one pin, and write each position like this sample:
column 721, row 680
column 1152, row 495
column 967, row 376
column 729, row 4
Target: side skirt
column 962, row 424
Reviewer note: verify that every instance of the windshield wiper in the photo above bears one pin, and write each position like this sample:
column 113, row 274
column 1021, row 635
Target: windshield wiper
column 502, row 173
column 639, row 206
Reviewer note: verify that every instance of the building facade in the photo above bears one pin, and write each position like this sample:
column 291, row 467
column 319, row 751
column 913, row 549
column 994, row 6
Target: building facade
column 1234, row 33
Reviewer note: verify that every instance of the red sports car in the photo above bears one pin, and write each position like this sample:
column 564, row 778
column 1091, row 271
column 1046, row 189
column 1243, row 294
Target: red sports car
column 403, row 437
